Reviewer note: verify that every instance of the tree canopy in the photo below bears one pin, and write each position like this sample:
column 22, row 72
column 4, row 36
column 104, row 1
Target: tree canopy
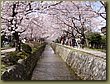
column 33, row 19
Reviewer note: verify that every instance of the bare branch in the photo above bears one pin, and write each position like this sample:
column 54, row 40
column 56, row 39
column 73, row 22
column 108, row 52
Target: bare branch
column 5, row 19
column 56, row 3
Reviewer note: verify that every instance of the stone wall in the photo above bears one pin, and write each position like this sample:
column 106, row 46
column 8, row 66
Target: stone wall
column 86, row 65
column 23, row 70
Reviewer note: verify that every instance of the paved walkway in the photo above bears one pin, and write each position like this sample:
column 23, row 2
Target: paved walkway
column 52, row 67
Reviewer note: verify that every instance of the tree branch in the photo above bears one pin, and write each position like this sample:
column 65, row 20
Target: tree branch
column 5, row 19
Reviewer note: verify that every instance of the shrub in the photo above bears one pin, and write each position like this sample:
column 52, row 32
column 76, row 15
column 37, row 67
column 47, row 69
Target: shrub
column 103, row 42
column 11, row 58
column 94, row 39
column 3, row 68
column 22, row 55
column 26, row 48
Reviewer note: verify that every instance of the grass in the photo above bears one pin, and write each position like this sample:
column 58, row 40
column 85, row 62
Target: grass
column 82, row 52
column 87, row 48
column 102, row 50
column 3, row 67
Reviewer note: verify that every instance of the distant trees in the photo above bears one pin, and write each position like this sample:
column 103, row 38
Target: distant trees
column 96, row 40
column 104, row 42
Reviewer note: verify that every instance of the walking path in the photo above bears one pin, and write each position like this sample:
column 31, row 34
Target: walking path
column 52, row 67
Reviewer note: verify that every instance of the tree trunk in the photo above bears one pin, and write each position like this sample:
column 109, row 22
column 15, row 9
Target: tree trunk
column 17, row 46
column 85, row 40
column 17, row 41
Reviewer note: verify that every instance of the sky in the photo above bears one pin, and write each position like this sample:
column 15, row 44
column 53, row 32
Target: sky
column 96, row 6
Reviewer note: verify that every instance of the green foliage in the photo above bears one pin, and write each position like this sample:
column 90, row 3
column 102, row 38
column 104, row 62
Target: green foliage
column 94, row 37
column 3, row 68
column 26, row 48
column 37, row 47
column 34, row 50
column 96, row 40
column 103, row 41
column 12, row 58
column 22, row 55
column 37, row 44
column 2, row 39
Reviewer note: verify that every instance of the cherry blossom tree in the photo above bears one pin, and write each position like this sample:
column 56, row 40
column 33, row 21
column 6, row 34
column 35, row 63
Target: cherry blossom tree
column 49, row 19
column 77, row 16
column 12, row 15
